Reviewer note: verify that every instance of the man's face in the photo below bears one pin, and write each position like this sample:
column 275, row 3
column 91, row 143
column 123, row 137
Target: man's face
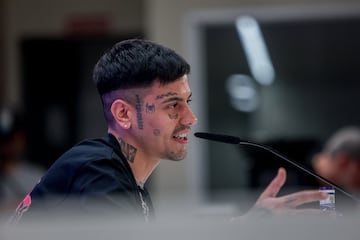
column 163, row 120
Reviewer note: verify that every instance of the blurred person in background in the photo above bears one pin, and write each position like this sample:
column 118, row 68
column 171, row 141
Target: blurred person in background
column 17, row 175
column 339, row 161
column 144, row 89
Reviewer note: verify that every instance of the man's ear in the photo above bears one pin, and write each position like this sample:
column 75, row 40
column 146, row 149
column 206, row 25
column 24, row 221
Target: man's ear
column 121, row 111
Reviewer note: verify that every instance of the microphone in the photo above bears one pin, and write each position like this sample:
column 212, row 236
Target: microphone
column 235, row 140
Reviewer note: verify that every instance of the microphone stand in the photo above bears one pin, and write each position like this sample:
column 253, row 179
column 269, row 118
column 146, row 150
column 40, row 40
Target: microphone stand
column 238, row 141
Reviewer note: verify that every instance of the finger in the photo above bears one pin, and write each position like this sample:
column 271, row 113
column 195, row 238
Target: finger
column 275, row 185
column 299, row 198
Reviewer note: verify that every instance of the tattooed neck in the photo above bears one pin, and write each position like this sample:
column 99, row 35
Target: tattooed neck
column 128, row 150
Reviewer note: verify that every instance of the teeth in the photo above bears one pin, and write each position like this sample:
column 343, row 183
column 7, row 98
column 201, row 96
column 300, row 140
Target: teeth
column 180, row 136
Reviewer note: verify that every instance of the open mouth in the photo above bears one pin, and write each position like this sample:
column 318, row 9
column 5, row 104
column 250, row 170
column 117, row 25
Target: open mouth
column 181, row 137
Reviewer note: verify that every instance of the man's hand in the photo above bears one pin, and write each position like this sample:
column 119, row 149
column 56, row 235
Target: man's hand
column 286, row 205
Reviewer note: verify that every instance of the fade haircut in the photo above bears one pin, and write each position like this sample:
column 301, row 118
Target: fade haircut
column 137, row 63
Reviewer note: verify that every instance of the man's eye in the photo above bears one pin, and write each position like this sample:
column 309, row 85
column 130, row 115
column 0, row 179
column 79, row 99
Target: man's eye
column 173, row 105
column 189, row 101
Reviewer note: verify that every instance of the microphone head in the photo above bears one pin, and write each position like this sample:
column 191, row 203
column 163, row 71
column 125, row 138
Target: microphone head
column 218, row 137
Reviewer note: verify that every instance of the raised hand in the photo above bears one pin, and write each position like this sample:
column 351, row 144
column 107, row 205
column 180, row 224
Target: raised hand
column 286, row 204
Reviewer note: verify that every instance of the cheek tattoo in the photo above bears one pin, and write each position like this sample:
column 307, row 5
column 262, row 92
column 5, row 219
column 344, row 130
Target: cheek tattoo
column 128, row 150
column 138, row 112
column 150, row 108
column 156, row 132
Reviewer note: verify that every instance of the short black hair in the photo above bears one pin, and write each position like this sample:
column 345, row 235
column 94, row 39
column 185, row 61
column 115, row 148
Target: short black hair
column 137, row 63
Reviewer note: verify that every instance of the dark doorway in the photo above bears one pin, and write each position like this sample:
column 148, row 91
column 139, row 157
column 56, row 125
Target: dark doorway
column 314, row 93
column 60, row 101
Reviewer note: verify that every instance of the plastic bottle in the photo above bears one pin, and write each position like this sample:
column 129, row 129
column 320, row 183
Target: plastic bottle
column 328, row 203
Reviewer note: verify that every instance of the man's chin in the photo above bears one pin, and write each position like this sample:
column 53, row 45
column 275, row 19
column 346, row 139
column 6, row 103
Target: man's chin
column 178, row 157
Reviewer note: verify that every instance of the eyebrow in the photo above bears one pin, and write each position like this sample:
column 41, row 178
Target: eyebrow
column 168, row 94
column 175, row 99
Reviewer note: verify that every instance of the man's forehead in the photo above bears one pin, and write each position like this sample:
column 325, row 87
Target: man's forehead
column 181, row 86
column 170, row 94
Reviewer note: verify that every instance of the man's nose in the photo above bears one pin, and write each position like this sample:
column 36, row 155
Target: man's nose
column 189, row 118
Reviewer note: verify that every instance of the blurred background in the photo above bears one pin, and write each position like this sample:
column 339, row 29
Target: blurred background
column 281, row 73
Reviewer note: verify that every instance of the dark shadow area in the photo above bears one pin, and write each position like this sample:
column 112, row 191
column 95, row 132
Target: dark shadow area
column 60, row 101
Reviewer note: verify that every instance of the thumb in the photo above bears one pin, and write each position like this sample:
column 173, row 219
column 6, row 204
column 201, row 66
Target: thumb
column 275, row 185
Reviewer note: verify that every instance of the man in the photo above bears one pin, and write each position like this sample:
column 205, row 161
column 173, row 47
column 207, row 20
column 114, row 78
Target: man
column 339, row 161
column 146, row 95
column 17, row 174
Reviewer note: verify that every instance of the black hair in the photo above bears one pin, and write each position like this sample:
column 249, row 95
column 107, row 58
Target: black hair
column 137, row 63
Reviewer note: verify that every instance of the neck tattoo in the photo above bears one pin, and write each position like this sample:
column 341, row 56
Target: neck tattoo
column 128, row 150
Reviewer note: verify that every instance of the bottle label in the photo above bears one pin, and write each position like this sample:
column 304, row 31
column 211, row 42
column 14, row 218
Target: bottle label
column 329, row 202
